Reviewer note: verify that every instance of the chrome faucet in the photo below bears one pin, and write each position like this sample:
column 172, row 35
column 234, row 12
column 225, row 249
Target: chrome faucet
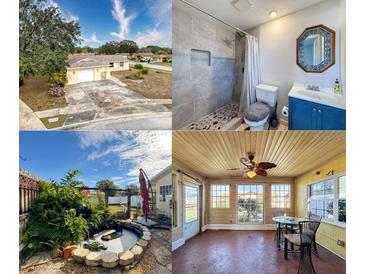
column 313, row 87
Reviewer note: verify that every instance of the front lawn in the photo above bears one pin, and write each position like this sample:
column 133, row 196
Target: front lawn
column 34, row 92
column 166, row 64
column 156, row 84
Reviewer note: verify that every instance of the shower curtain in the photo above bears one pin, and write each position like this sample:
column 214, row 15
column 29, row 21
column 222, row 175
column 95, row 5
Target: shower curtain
column 251, row 75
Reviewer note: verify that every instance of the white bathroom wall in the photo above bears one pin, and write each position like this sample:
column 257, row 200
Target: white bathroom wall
column 277, row 43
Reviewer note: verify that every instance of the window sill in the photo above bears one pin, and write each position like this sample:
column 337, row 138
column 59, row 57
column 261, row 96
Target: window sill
column 342, row 225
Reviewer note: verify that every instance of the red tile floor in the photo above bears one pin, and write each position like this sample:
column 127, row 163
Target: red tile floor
column 251, row 252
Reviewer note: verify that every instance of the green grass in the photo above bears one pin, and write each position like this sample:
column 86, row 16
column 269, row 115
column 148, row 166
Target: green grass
column 166, row 64
column 116, row 208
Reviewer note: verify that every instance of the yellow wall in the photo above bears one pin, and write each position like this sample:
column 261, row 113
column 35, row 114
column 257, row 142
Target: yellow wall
column 327, row 234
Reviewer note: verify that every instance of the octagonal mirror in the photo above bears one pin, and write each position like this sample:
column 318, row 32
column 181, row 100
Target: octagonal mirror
column 316, row 49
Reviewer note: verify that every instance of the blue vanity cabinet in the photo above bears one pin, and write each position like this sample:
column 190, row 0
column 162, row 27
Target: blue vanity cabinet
column 306, row 115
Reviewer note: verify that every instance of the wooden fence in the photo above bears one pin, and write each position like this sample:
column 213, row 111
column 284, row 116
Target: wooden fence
column 28, row 191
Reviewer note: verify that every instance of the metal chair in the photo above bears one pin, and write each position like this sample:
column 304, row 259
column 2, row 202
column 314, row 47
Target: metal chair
column 304, row 240
column 316, row 218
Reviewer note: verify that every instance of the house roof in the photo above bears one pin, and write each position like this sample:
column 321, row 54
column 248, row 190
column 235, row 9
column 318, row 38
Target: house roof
column 161, row 174
column 84, row 61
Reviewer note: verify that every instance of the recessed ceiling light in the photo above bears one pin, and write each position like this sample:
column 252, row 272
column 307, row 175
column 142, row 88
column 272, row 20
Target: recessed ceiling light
column 273, row 13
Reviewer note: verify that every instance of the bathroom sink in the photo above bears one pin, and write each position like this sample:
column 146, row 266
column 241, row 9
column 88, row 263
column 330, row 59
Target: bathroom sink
column 324, row 96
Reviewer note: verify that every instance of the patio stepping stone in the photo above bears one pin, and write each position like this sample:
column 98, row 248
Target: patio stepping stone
column 126, row 258
column 142, row 243
column 146, row 237
column 109, row 260
column 137, row 251
column 93, row 259
column 80, row 254
column 147, row 233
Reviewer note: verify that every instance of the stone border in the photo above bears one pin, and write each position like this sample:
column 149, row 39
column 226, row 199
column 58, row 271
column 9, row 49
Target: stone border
column 126, row 259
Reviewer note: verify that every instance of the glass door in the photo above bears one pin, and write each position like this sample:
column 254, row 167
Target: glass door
column 191, row 211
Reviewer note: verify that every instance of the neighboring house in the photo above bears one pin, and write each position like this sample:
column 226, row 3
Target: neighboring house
column 162, row 186
column 89, row 67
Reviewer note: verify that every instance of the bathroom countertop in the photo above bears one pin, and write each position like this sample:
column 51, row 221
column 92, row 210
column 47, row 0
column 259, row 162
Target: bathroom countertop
column 325, row 96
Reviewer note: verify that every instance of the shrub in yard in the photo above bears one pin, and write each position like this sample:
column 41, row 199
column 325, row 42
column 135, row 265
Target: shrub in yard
column 144, row 71
column 62, row 214
column 138, row 66
column 139, row 75
column 57, row 79
column 56, row 91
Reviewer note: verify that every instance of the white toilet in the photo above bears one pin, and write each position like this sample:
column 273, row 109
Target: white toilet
column 257, row 114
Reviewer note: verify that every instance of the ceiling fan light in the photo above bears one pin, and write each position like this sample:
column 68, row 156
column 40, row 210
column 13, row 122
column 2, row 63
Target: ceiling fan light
column 251, row 174
column 273, row 13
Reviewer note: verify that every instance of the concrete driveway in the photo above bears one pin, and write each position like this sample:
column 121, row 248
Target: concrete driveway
column 109, row 104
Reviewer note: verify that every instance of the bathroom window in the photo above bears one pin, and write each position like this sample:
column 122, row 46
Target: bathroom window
column 219, row 196
column 200, row 57
column 280, row 196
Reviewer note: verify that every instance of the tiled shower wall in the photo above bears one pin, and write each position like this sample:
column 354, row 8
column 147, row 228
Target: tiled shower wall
column 200, row 85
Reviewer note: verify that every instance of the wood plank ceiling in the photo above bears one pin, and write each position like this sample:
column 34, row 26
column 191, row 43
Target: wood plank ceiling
column 212, row 153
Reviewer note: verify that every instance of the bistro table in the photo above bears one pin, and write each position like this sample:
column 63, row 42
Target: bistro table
column 288, row 222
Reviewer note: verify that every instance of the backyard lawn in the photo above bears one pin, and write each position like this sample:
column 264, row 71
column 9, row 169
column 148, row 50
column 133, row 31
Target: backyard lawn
column 116, row 208
column 154, row 85
column 34, row 92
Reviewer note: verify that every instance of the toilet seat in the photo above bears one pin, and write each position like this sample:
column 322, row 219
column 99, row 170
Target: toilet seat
column 256, row 115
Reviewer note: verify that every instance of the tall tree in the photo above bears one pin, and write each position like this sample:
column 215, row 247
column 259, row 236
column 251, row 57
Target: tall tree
column 128, row 46
column 45, row 38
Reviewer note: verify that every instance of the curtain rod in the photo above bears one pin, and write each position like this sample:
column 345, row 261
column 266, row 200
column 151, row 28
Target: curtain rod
column 229, row 25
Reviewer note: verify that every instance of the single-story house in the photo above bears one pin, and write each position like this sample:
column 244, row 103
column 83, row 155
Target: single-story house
column 162, row 185
column 87, row 67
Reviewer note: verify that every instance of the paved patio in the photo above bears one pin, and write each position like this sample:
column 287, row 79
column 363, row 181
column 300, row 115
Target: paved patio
column 109, row 102
column 156, row 259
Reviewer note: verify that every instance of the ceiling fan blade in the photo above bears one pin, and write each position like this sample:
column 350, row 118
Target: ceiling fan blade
column 232, row 169
column 246, row 162
column 265, row 165
column 261, row 172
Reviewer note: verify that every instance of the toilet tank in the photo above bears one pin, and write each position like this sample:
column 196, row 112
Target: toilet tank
column 267, row 94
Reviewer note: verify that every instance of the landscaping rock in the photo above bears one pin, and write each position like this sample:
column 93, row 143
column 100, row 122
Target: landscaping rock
column 53, row 120
column 67, row 251
column 56, row 252
column 147, row 233
column 146, row 238
column 137, row 251
column 162, row 255
column 106, row 237
column 93, row 259
column 142, row 243
column 109, row 260
column 40, row 258
column 126, row 258
column 80, row 254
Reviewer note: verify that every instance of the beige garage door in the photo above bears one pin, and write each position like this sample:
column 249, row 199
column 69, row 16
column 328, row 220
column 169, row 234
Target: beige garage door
column 86, row 75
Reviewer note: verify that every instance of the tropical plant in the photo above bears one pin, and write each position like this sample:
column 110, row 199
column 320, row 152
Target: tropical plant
column 62, row 214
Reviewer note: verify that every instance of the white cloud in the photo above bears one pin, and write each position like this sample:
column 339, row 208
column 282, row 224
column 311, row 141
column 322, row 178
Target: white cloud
column 106, row 163
column 150, row 38
column 66, row 14
column 92, row 39
column 50, row 3
column 160, row 10
column 119, row 14
column 150, row 150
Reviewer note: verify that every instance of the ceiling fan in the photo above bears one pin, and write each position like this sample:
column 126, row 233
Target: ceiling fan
column 251, row 168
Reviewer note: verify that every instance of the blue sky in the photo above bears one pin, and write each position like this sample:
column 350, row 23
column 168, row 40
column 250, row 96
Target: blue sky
column 114, row 155
column 144, row 21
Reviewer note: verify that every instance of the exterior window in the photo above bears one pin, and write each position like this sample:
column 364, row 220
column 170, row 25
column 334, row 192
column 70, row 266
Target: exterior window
column 321, row 199
column 111, row 65
column 280, row 196
column 342, row 199
column 250, row 204
column 121, row 64
column 219, row 196
column 164, row 191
